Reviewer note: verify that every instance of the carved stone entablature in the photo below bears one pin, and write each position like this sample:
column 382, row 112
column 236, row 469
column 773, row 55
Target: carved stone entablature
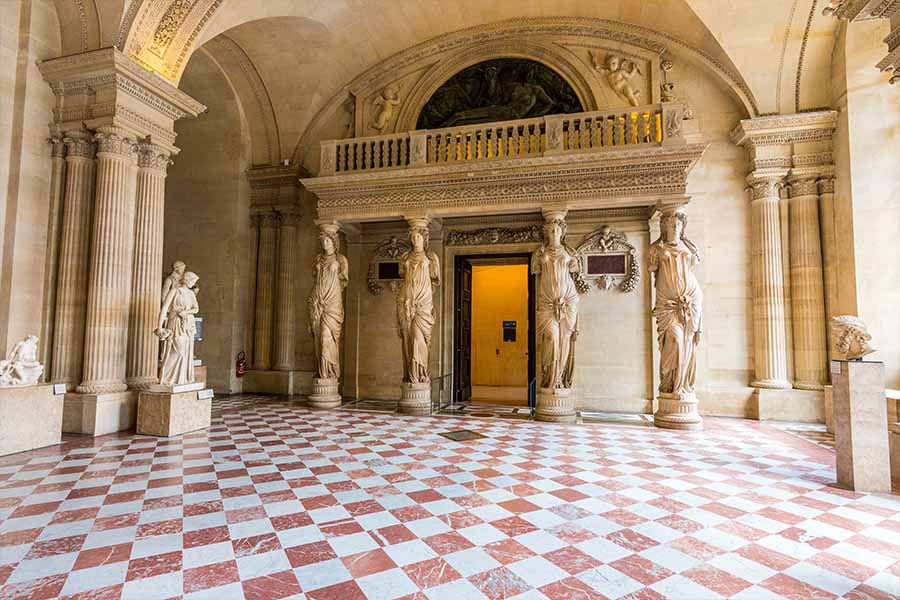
column 388, row 251
column 275, row 184
column 863, row 10
column 614, row 178
column 607, row 242
column 785, row 129
column 130, row 96
column 494, row 235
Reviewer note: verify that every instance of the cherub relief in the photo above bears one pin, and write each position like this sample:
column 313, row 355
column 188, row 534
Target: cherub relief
column 619, row 72
column 387, row 101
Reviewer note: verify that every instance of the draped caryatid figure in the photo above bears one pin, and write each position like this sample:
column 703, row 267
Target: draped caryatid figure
column 678, row 309
column 176, row 329
column 326, row 306
column 420, row 271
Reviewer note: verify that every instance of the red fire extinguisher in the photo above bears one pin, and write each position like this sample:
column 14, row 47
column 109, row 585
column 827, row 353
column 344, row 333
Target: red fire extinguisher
column 240, row 365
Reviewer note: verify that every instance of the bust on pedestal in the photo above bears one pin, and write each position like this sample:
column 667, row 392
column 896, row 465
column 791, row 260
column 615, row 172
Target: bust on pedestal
column 326, row 317
column 679, row 304
column 557, row 320
column 420, row 270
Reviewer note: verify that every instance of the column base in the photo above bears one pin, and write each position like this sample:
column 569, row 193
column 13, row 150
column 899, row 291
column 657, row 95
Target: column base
column 99, row 414
column 555, row 405
column 804, row 406
column 772, row 384
column 30, row 417
column 415, row 398
column 678, row 411
column 170, row 414
column 141, row 383
column 286, row 383
column 325, row 393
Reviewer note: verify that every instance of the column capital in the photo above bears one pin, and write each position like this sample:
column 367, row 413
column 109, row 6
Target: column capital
column 57, row 146
column 153, row 156
column 765, row 185
column 115, row 140
column 268, row 220
column 80, row 143
column 803, row 185
column 290, row 218
column 825, row 185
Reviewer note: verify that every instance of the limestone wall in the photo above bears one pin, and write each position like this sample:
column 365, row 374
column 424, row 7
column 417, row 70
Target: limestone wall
column 207, row 217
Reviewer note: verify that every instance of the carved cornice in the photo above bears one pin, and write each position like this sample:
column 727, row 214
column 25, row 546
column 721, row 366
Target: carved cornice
column 785, row 129
column 622, row 177
column 494, row 235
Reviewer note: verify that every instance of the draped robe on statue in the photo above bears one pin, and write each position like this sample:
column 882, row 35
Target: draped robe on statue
column 415, row 313
column 678, row 308
column 326, row 314
column 557, row 315
column 178, row 348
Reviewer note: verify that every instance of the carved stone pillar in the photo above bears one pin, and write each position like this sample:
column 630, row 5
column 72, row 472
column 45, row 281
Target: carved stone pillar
column 251, row 290
column 143, row 345
column 808, row 295
column 74, row 245
column 769, row 340
column 109, row 278
column 285, row 305
column 265, row 291
column 51, row 263
column 829, row 253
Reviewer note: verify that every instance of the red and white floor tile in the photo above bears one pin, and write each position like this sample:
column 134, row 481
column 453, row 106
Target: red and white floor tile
column 277, row 501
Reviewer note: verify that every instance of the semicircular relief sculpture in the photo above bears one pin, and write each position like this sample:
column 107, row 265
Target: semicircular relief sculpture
column 502, row 89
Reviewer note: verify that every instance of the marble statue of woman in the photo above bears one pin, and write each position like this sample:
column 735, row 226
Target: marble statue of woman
column 420, row 271
column 326, row 305
column 679, row 302
column 557, row 306
column 21, row 366
column 176, row 329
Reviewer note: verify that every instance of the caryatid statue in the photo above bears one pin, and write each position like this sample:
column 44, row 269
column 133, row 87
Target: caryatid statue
column 557, row 319
column 420, row 270
column 678, row 310
column 176, row 329
column 326, row 316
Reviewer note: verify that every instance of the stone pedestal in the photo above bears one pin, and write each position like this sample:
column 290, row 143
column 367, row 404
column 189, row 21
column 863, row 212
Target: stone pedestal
column 415, row 398
column 30, row 417
column 829, row 409
column 99, row 414
column 678, row 412
column 556, row 405
column 201, row 374
column 169, row 414
column 286, row 383
column 860, row 426
column 325, row 394
column 802, row 406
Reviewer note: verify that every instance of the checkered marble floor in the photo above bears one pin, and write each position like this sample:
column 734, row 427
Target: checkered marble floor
column 278, row 501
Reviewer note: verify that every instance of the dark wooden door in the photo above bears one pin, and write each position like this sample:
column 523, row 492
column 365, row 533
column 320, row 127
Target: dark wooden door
column 463, row 331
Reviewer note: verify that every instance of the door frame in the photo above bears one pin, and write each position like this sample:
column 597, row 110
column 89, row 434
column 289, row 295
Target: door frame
column 459, row 259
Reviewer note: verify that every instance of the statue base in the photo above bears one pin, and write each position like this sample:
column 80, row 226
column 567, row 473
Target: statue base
column 30, row 417
column 678, row 411
column 555, row 405
column 168, row 414
column 159, row 388
column 99, row 414
column 415, row 398
column 325, row 393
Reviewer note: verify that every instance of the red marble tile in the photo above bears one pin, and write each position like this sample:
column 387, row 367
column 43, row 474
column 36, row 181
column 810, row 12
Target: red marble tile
column 742, row 531
column 64, row 545
column 842, row 522
column 431, row 573
column 164, row 502
column 394, row 534
column 641, row 569
column 571, row 589
column 112, row 592
column 460, row 519
column 210, row 576
column 623, row 517
column 448, row 543
column 508, row 551
column 87, row 492
column 257, row 544
column 340, row 528
column 132, row 496
column 310, row 554
column 242, row 515
column 519, row 506
column 499, row 583
column 319, row 502
column 94, row 557
column 367, row 563
column 631, row 540
column 645, row 594
column 17, row 538
column 204, row 537
column 44, row 588
column 342, row 591
column 679, row 523
column 291, row 521
column 271, row 587
column 867, row 592
column 514, row 526
column 842, row 566
column 717, row 580
column 203, row 508
column 696, row 548
column 410, row 513
column 425, row 496
column 31, row 510
column 572, row 560
column 159, row 528
column 795, row 589
column 157, row 564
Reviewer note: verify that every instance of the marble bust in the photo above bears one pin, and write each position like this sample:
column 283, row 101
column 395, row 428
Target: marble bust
column 21, row 366
column 851, row 337
column 176, row 329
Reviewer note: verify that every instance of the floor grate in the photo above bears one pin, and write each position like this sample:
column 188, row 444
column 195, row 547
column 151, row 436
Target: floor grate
column 462, row 435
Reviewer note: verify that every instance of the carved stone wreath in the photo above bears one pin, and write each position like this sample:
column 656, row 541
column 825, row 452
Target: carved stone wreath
column 609, row 241
column 387, row 251
column 495, row 235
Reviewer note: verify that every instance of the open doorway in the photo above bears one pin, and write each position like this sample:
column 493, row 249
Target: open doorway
column 494, row 332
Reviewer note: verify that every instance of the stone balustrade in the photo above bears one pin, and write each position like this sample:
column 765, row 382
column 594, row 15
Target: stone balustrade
column 641, row 126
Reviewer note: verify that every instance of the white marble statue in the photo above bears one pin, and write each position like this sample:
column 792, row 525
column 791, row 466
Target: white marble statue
column 851, row 337
column 557, row 306
column 420, row 271
column 172, row 279
column 21, row 366
column 387, row 101
column 679, row 304
column 326, row 305
column 619, row 72
column 176, row 329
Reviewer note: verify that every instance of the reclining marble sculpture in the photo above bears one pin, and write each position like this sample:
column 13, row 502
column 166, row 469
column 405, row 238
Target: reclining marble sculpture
column 176, row 329
column 21, row 366
column 851, row 337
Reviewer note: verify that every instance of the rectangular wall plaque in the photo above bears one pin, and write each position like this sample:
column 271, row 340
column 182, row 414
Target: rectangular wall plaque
column 205, row 394
column 836, row 367
column 59, row 389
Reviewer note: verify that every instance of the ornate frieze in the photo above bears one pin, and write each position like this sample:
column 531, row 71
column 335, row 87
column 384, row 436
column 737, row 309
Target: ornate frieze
column 606, row 241
column 494, row 235
column 389, row 250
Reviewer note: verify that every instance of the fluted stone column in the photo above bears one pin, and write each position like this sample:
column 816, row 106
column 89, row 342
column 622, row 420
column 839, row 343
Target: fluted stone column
column 829, row 257
column 251, row 290
column 109, row 278
column 265, row 290
column 770, row 344
column 51, row 263
column 71, row 282
column 143, row 345
column 807, row 283
column 285, row 305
